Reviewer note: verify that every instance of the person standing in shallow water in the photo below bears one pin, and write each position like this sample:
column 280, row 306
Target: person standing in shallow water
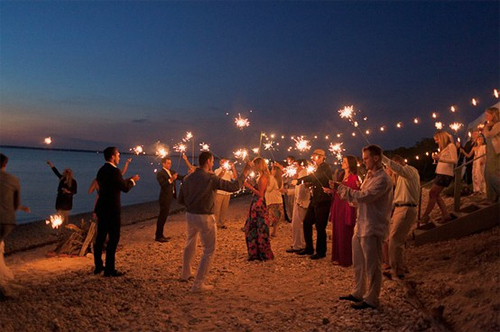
column 65, row 190
column 257, row 224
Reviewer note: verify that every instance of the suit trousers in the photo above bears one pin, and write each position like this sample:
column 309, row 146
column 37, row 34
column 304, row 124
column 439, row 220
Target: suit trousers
column 297, row 228
column 204, row 224
column 402, row 220
column 367, row 263
column 317, row 214
column 221, row 206
column 107, row 226
column 162, row 217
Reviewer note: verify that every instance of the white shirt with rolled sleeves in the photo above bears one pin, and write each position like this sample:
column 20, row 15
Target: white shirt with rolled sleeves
column 374, row 200
column 408, row 183
column 447, row 160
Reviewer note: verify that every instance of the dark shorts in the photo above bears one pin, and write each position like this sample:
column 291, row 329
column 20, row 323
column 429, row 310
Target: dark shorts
column 443, row 180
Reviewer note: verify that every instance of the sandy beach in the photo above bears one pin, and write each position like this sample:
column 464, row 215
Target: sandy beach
column 452, row 286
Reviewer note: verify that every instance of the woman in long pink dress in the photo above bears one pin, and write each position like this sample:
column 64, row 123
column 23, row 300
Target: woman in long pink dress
column 343, row 215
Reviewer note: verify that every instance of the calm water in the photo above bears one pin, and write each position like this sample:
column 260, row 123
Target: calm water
column 39, row 183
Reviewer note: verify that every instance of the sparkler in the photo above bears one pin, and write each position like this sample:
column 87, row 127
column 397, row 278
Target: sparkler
column 310, row 169
column 138, row 150
column 495, row 93
column 226, row 165
column 416, row 121
column 474, row 101
column 434, row 115
column 453, row 109
column 189, row 135
column 301, row 144
column 55, row 221
column 204, row 147
column 180, row 148
column 399, row 125
column 336, row 149
column 161, row 151
column 348, row 113
column 456, row 126
column 439, row 125
column 48, row 140
column 269, row 145
column 290, row 171
column 256, row 150
column 241, row 122
column 240, row 154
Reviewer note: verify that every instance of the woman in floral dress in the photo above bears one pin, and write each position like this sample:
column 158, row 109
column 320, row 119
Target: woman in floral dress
column 257, row 224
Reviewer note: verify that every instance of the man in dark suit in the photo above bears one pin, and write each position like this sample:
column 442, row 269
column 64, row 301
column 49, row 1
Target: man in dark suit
column 166, row 178
column 319, row 208
column 108, row 211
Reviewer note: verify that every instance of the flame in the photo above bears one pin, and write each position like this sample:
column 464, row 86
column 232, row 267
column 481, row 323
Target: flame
column 453, row 109
column 180, row 148
column 399, row 124
column 48, row 140
column 434, row 115
column 189, row 135
column 474, row 101
column 241, row 122
column 138, row 149
column 438, row 125
column 269, row 145
column 301, row 144
column 353, row 134
column 495, row 93
column 367, row 131
column 456, row 126
column 240, row 154
column 55, row 221
column 382, row 128
column 204, row 147
column 416, row 121
column 339, row 134
column 337, row 149
column 347, row 112
column 290, row 171
column 311, row 169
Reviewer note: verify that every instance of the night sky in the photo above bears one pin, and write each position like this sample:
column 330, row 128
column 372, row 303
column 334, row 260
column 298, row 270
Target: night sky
column 94, row 73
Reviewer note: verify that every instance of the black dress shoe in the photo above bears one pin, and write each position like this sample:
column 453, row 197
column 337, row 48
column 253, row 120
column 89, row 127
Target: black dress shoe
column 361, row 306
column 162, row 239
column 114, row 273
column 291, row 250
column 305, row 252
column 316, row 256
column 98, row 269
column 350, row 298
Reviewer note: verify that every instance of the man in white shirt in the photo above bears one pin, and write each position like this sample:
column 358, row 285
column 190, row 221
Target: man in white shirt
column 226, row 171
column 374, row 201
column 406, row 197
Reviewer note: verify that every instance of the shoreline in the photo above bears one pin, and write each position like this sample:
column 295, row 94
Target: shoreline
column 37, row 233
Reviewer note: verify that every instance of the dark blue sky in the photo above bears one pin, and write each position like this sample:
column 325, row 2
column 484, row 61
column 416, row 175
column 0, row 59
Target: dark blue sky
column 94, row 73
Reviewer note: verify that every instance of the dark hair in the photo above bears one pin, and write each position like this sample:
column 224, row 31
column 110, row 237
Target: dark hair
column 164, row 159
column 374, row 150
column 204, row 157
column 398, row 158
column 109, row 152
column 3, row 160
column 353, row 164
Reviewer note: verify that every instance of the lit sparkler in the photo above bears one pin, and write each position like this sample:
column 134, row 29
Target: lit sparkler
column 240, row 154
column 434, row 115
column 337, row 149
column 347, row 112
column 439, row 125
column 241, row 122
column 55, row 221
column 268, row 145
column 138, row 149
column 474, row 101
column 456, row 126
column 189, row 135
column 311, row 169
column 290, row 171
column 48, row 140
column 204, row 147
column 495, row 93
column 416, row 121
column 382, row 128
column 301, row 144
column 453, row 109
column 399, row 125
column 180, row 148
column 226, row 165
column 256, row 150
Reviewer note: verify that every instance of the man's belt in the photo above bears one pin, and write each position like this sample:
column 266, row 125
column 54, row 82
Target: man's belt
column 405, row 204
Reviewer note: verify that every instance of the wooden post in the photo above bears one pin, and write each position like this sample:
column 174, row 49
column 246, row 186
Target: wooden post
column 457, row 189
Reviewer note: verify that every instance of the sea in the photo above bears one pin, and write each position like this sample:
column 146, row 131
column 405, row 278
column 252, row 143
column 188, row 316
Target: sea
column 39, row 183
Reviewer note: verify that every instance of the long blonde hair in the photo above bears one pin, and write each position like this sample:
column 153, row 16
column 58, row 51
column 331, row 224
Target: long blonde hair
column 67, row 177
column 261, row 166
column 443, row 138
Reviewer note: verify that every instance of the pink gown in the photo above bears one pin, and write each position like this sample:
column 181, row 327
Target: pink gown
column 343, row 219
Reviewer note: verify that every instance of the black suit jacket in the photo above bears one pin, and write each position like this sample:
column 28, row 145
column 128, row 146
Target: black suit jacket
column 111, row 184
column 167, row 191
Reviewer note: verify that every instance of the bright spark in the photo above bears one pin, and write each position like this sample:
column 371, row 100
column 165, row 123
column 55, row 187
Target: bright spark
column 55, row 221
column 241, row 122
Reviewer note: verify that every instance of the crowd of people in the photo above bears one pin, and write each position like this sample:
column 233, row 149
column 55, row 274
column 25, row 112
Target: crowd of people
column 372, row 209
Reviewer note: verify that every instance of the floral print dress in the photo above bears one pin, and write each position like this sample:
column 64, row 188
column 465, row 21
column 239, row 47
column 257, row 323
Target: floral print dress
column 257, row 231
